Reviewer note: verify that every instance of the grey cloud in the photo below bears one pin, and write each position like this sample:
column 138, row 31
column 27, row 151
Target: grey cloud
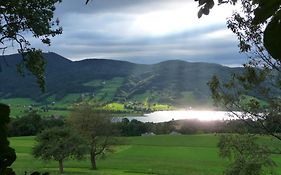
column 101, row 30
column 95, row 38
column 188, row 45
column 120, row 6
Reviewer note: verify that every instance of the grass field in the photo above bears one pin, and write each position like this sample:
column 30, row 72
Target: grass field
column 109, row 89
column 21, row 106
column 18, row 105
column 163, row 155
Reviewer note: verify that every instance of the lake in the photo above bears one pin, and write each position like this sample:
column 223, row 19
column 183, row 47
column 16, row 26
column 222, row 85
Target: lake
column 165, row 116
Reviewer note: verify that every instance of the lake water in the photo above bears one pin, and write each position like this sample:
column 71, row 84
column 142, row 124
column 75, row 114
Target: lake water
column 165, row 116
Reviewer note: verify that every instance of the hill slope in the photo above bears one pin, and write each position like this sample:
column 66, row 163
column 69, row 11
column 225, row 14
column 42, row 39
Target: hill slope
column 171, row 82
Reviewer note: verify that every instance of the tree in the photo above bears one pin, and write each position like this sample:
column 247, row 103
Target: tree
column 96, row 127
column 256, row 91
column 248, row 158
column 265, row 12
column 7, row 154
column 32, row 123
column 27, row 125
column 16, row 18
column 33, row 16
column 59, row 144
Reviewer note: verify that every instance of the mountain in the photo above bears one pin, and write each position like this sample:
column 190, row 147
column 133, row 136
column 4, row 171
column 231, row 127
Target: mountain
column 172, row 82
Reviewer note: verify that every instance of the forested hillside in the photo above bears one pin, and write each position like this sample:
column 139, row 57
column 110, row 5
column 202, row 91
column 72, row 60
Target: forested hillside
column 170, row 82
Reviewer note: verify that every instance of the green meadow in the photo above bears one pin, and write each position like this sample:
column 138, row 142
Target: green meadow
column 162, row 155
column 62, row 107
column 20, row 106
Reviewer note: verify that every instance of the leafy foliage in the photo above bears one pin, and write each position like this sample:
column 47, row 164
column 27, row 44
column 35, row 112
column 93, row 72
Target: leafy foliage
column 261, row 76
column 27, row 125
column 7, row 154
column 132, row 128
column 96, row 127
column 264, row 12
column 272, row 38
column 59, row 144
column 36, row 17
column 248, row 158
column 32, row 123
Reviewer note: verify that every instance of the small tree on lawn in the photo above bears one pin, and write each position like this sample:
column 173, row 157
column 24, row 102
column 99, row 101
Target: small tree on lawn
column 59, row 144
column 96, row 127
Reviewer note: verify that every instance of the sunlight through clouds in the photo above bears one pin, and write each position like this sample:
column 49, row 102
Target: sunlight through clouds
column 144, row 31
column 220, row 34
column 163, row 22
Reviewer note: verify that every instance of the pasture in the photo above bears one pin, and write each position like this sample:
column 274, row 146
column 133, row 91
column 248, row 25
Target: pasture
column 162, row 155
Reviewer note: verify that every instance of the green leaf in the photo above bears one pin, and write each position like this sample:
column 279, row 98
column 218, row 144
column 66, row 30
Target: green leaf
column 200, row 13
column 265, row 10
column 201, row 2
column 206, row 11
column 210, row 4
column 272, row 37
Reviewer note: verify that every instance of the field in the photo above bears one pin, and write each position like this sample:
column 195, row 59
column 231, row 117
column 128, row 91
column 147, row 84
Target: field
column 20, row 106
column 163, row 155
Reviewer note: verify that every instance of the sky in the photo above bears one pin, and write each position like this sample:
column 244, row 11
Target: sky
column 144, row 31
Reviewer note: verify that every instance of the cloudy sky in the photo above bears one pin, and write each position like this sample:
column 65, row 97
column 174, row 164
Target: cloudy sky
column 145, row 31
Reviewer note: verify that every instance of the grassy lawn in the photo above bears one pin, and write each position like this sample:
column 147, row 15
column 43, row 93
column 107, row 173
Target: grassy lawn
column 163, row 155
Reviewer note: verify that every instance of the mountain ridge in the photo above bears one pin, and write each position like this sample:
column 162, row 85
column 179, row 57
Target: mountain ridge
column 171, row 81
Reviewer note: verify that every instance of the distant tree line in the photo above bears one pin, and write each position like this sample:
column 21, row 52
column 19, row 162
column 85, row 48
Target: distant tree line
column 134, row 127
column 32, row 124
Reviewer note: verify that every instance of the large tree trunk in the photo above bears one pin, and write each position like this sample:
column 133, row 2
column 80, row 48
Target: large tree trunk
column 93, row 161
column 61, row 166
